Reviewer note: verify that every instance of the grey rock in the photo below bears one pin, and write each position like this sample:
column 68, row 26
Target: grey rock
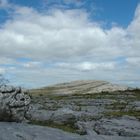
column 21, row 131
column 124, row 126
column 63, row 116
column 86, row 113
column 6, row 89
column 16, row 131
column 136, row 105
column 13, row 104
column 36, row 113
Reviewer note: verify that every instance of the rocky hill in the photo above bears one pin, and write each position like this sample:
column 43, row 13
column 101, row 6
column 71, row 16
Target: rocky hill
column 79, row 110
column 81, row 87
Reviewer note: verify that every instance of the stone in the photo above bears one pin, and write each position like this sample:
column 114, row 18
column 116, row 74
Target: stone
column 6, row 89
column 63, row 116
column 124, row 126
column 37, row 113
column 136, row 105
column 92, row 115
column 13, row 104
column 22, row 131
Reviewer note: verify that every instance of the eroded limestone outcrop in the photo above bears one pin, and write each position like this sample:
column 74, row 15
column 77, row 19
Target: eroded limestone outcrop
column 14, row 103
column 96, row 115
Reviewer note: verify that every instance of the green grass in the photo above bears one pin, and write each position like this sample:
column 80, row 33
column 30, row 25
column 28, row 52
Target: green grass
column 116, row 106
column 122, row 113
column 137, row 94
column 103, row 95
column 48, row 93
column 68, row 127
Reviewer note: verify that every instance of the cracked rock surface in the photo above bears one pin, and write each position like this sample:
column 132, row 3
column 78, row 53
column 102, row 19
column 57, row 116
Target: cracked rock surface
column 71, row 111
column 13, row 103
column 79, row 107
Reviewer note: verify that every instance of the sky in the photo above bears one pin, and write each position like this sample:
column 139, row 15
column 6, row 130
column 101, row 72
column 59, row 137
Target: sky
column 44, row 42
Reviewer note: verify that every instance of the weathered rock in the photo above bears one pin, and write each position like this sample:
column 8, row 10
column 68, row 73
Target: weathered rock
column 136, row 105
column 124, row 126
column 37, row 113
column 64, row 116
column 6, row 89
column 13, row 104
column 20, row 131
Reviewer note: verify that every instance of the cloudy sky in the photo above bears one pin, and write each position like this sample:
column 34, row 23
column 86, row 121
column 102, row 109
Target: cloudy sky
column 44, row 42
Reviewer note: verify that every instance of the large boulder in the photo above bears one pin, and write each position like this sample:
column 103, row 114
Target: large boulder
column 64, row 116
column 124, row 126
column 14, row 103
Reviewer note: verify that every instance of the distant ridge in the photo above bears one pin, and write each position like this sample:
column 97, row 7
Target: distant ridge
column 82, row 87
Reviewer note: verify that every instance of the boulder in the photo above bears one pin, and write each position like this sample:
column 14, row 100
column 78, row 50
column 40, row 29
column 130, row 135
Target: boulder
column 64, row 116
column 37, row 113
column 13, row 103
column 124, row 126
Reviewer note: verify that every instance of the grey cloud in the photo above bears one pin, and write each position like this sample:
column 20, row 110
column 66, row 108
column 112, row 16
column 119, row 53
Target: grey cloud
column 67, row 37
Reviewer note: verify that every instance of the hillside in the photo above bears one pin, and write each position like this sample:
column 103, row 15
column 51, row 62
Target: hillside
column 81, row 87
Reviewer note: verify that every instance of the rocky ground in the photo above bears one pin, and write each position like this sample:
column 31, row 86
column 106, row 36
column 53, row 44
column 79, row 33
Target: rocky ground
column 20, row 131
column 88, row 108
column 80, row 110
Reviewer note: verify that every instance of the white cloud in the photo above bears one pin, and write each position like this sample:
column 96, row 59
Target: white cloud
column 5, row 60
column 69, row 41
column 2, row 70
column 69, row 32
column 87, row 66
column 134, row 61
column 32, row 64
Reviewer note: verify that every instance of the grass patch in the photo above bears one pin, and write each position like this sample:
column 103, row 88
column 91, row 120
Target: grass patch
column 137, row 94
column 68, row 127
column 116, row 106
column 48, row 93
column 122, row 113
